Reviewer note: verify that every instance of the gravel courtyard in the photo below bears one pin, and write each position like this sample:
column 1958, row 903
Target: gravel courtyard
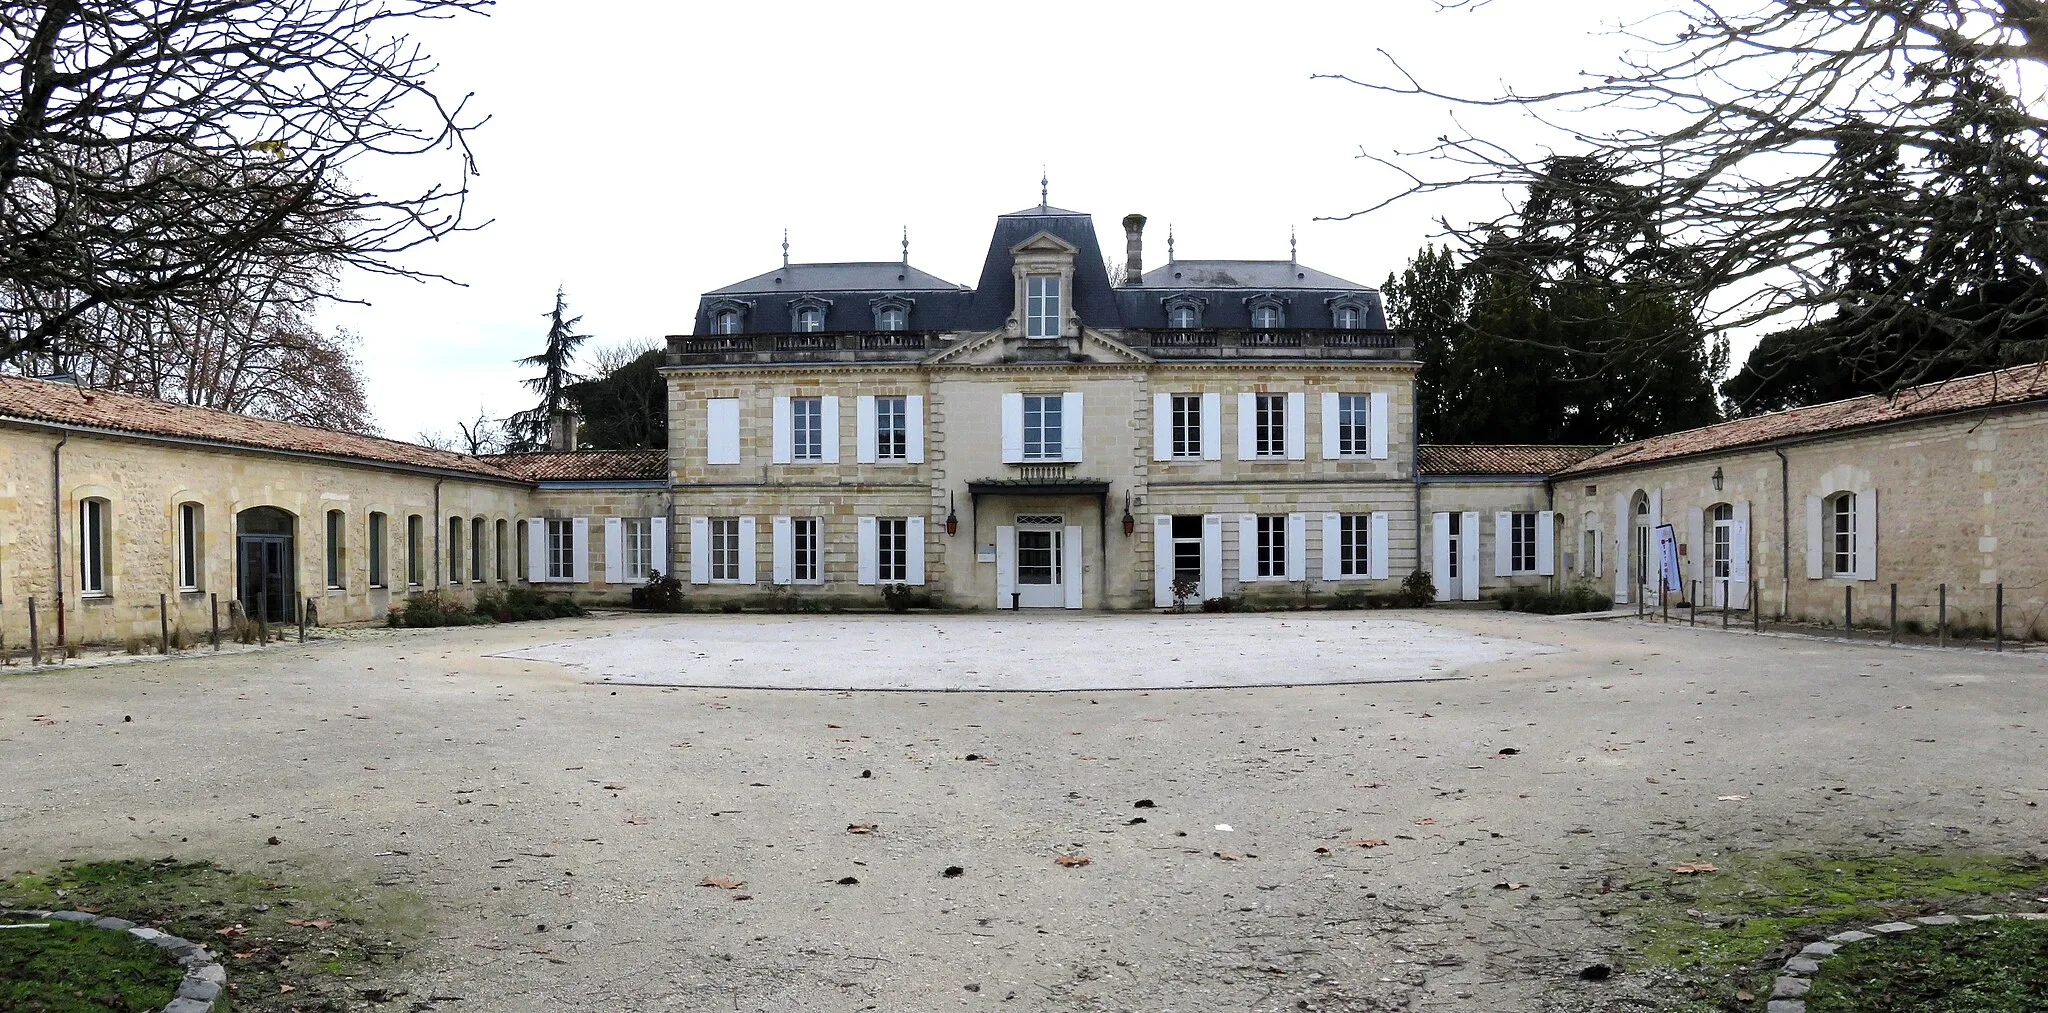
column 512, row 793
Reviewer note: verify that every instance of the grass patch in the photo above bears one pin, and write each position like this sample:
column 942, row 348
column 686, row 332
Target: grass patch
column 288, row 946
column 1974, row 967
column 1719, row 937
column 70, row 968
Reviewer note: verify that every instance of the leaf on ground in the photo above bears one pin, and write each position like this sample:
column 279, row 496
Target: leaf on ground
column 1425, row 821
column 1510, row 885
column 721, row 882
column 322, row 924
column 232, row 930
column 1744, row 995
column 1694, row 868
column 1072, row 861
column 862, row 828
column 1367, row 842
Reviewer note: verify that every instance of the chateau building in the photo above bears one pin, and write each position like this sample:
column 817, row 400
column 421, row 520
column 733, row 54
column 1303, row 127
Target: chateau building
column 1050, row 438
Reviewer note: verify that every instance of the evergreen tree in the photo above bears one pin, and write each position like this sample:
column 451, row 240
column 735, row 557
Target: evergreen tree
column 529, row 429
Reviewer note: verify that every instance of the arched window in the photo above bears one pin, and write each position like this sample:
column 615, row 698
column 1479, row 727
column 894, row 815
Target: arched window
column 725, row 322
column 1266, row 317
column 1721, row 543
column 476, row 550
column 191, row 545
column 809, row 320
column 415, row 550
column 1840, row 514
column 1181, row 318
column 890, row 318
column 1642, row 543
column 454, row 550
column 1345, row 318
column 93, row 518
column 337, row 528
column 504, row 564
column 378, row 538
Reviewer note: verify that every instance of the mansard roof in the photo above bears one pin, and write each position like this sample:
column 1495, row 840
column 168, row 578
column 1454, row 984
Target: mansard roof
column 860, row 276
column 995, row 295
column 1245, row 274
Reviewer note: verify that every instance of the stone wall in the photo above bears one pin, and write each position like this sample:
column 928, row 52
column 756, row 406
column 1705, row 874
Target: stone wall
column 1487, row 497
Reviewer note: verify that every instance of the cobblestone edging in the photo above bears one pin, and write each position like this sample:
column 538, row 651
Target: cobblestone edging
column 1795, row 979
column 204, row 977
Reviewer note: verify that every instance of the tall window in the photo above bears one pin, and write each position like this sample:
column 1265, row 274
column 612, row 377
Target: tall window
column 1354, row 545
column 1042, row 306
column 337, row 530
column 1270, row 425
column 1187, row 548
column 1272, row 545
column 892, row 550
column 189, row 554
column 1522, row 543
column 1266, row 318
column 890, row 319
column 639, row 535
column 1721, row 520
column 377, row 536
column 1042, row 425
column 1181, row 318
column 476, row 550
column 1842, row 534
column 92, row 547
column 807, row 428
column 806, row 551
column 561, row 548
column 810, row 320
column 726, row 322
column 1641, row 544
column 504, row 564
column 1187, row 426
column 1454, row 537
column 725, row 548
column 1345, row 318
column 415, row 550
column 892, row 429
column 454, row 550
column 1354, row 425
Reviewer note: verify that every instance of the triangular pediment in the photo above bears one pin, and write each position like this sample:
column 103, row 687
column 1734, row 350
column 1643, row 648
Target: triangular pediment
column 996, row 348
column 1044, row 242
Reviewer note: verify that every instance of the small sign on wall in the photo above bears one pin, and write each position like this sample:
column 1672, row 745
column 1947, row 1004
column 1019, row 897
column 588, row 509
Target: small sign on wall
column 985, row 553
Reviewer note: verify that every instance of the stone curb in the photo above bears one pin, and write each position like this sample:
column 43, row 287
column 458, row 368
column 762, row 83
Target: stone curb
column 1788, row 994
column 205, row 978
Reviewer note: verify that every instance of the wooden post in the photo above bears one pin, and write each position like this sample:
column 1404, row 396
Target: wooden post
column 1639, row 600
column 1998, row 619
column 1726, row 602
column 1694, row 601
column 303, row 605
column 1941, row 618
column 1663, row 600
column 214, row 601
column 1756, row 603
column 35, row 641
column 1849, row 612
column 262, row 627
column 163, row 622
column 1895, row 613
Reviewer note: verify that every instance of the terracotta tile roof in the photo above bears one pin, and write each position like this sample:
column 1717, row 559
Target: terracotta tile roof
column 63, row 403
column 2016, row 385
column 586, row 465
column 1499, row 458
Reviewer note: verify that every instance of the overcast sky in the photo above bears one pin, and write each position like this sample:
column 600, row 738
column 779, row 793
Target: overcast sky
column 640, row 152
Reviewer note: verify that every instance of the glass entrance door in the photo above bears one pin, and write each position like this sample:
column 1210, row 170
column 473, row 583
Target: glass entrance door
column 1040, row 582
column 264, row 563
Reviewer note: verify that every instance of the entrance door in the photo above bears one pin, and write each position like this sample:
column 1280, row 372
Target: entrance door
column 265, row 583
column 1041, row 564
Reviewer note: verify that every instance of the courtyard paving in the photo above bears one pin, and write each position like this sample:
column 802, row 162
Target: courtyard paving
column 513, row 793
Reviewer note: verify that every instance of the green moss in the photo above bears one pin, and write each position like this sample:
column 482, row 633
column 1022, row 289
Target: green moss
column 1723, row 934
column 1975, row 967
column 344, row 932
column 69, row 968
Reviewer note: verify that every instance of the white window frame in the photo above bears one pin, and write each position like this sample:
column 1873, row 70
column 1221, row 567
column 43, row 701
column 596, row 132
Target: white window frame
column 561, row 549
column 1354, row 546
column 1842, row 544
column 806, row 550
column 725, row 322
column 1354, row 425
column 190, row 550
column 1345, row 318
column 1042, row 306
column 807, row 429
column 1271, row 547
column 1186, row 426
column 1454, row 537
column 892, row 550
column 891, row 318
column 92, row 548
column 1267, row 318
column 725, row 550
column 892, row 428
column 1269, row 427
column 809, row 320
column 1050, row 416
column 638, row 535
column 1721, row 541
column 1522, row 543
column 1183, row 318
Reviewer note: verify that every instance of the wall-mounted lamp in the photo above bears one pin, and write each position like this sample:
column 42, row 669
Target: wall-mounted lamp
column 952, row 519
column 1717, row 480
column 1130, row 523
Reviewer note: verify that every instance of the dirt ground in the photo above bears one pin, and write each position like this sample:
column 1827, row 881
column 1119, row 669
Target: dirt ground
column 512, row 796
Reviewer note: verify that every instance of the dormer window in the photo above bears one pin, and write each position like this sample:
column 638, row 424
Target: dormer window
column 1184, row 313
column 1042, row 306
column 726, row 322
column 1266, row 317
column 892, row 313
column 1348, row 312
column 807, row 314
column 890, row 319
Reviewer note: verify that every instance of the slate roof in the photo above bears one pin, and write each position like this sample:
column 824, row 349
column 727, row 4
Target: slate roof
column 1252, row 274
column 586, row 465
column 995, row 294
column 1499, row 458
column 935, row 303
column 67, row 404
column 2016, row 385
column 866, row 276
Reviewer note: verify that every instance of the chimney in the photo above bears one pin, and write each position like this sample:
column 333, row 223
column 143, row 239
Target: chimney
column 1134, row 249
column 562, row 426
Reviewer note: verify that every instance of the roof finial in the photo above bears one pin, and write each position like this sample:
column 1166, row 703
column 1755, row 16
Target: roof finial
column 1290, row 244
column 785, row 249
column 1169, row 242
column 906, row 246
column 1044, row 188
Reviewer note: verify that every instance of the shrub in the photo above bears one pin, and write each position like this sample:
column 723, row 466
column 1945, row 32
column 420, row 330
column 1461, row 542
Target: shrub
column 662, row 593
column 1578, row 596
column 1218, row 605
column 1184, row 591
column 1350, row 600
column 1417, row 589
column 898, row 597
column 731, row 607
